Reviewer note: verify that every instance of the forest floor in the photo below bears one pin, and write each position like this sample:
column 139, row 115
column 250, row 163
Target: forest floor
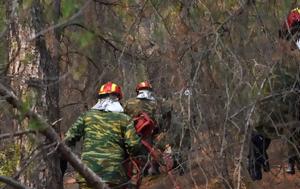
column 194, row 179
column 275, row 179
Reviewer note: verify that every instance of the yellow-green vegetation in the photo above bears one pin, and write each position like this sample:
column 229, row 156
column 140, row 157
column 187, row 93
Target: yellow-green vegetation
column 9, row 159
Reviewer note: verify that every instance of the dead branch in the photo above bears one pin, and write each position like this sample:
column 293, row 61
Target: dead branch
column 114, row 3
column 10, row 135
column 91, row 178
column 11, row 182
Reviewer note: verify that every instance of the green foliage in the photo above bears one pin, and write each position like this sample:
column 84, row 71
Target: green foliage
column 34, row 125
column 9, row 159
column 69, row 7
column 82, row 39
column 28, row 101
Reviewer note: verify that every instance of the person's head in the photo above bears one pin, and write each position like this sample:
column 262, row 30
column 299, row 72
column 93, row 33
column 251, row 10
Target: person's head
column 109, row 89
column 144, row 85
column 144, row 90
column 291, row 26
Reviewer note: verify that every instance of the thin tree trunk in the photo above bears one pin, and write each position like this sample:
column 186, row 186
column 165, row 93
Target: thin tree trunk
column 50, row 68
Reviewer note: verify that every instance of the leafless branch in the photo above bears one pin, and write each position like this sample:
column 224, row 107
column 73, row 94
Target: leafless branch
column 10, row 135
column 11, row 182
column 113, row 3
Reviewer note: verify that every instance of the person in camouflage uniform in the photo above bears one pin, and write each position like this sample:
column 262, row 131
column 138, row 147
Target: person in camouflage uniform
column 143, row 102
column 167, row 136
column 109, row 137
column 277, row 114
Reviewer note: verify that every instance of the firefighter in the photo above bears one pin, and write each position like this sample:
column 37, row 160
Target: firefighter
column 144, row 102
column 277, row 113
column 160, row 112
column 109, row 137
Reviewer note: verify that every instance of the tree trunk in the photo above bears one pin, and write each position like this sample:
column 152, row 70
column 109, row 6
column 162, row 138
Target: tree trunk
column 36, row 82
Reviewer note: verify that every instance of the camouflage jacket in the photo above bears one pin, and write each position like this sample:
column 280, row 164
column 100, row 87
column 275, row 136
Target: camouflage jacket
column 134, row 106
column 107, row 140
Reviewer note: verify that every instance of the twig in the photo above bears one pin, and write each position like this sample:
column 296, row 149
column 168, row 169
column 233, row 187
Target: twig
column 11, row 182
column 56, row 121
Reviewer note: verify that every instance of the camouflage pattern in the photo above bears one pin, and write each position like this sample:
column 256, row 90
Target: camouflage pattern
column 108, row 138
column 134, row 106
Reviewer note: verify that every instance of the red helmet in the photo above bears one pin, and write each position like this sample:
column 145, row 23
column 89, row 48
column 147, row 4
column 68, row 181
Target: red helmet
column 143, row 85
column 293, row 17
column 110, row 88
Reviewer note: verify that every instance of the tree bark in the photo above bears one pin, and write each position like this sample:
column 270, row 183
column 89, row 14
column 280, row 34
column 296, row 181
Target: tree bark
column 50, row 69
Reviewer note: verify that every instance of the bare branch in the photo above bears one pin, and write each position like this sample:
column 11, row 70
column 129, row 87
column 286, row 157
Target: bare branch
column 10, row 135
column 11, row 182
column 113, row 3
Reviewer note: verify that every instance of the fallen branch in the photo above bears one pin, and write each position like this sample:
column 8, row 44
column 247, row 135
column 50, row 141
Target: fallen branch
column 11, row 182
column 92, row 179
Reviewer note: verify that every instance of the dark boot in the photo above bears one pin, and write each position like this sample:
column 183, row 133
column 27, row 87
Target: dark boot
column 290, row 169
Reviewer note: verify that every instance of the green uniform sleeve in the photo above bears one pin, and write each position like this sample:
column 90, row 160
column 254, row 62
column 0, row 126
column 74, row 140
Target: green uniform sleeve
column 132, row 140
column 75, row 132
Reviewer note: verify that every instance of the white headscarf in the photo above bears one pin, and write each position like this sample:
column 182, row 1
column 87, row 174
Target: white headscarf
column 109, row 104
column 145, row 94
